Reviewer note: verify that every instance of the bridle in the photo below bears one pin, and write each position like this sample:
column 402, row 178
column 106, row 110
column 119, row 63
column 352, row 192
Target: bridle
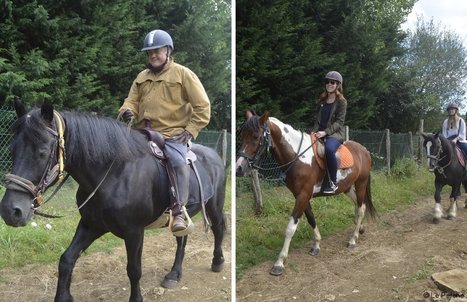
column 52, row 172
column 438, row 158
column 265, row 143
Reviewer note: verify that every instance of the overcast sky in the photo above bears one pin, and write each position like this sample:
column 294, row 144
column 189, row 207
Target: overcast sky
column 451, row 13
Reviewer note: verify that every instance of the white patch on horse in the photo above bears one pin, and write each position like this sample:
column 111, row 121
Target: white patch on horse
column 428, row 146
column 298, row 140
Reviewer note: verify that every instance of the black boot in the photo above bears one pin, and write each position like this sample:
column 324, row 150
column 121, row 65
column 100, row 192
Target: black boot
column 182, row 183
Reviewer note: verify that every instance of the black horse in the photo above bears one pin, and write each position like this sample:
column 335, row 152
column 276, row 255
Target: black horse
column 443, row 161
column 133, row 194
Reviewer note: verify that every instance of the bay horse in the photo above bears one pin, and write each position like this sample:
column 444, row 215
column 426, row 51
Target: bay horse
column 133, row 193
column 292, row 150
column 444, row 162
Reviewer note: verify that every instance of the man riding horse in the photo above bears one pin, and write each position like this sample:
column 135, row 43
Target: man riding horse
column 169, row 98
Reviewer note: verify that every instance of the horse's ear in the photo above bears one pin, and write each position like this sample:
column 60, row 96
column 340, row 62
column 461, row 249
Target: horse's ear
column 47, row 112
column 263, row 119
column 248, row 114
column 19, row 107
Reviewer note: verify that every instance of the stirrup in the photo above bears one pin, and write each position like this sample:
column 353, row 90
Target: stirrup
column 189, row 228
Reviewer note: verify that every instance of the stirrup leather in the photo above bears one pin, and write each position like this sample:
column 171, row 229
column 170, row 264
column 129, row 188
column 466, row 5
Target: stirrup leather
column 189, row 228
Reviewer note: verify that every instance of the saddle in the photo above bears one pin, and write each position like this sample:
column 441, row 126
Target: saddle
column 460, row 156
column 343, row 155
column 200, row 192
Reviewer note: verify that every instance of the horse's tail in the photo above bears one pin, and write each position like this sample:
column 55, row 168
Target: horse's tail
column 370, row 208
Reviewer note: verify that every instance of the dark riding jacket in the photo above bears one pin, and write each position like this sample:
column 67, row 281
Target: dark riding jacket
column 335, row 127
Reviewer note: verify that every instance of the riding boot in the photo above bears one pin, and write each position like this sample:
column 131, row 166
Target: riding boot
column 182, row 182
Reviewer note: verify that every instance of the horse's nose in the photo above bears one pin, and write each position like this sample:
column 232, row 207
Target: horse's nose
column 239, row 171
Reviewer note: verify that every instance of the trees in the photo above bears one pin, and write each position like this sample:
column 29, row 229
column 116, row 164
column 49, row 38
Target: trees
column 430, row 74
column 85, row 54
column 284, row 50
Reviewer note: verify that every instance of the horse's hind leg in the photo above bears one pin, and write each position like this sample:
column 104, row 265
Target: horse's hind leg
column 82, row 239
column 315, row 249
column 357, row 196
column 134, row 250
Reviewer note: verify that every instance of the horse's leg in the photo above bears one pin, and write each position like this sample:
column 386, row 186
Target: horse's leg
column 82, row 239
column 278, row 267
column 438, row 210
column 452, row 211
column 317, row 236
column 175, row 274
column 134, row 250
column 357, row 194
column 218, row 227
column 302, row 201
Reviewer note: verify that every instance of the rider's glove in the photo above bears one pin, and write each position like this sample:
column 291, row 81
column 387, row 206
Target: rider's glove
column 183, row 138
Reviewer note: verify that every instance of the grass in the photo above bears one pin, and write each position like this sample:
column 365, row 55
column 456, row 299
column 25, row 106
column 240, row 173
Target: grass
column 260, row 238
column 35, row 243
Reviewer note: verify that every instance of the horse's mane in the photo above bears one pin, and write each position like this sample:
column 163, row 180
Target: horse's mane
column 252, row 123
column 88, row 137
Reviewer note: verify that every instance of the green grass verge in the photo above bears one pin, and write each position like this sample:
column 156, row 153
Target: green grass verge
column 260, row 238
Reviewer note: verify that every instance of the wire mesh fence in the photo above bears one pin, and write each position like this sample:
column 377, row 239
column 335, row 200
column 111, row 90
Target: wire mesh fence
column 217, row 140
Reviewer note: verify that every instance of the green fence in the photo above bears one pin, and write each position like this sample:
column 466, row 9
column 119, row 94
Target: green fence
column 218, row 140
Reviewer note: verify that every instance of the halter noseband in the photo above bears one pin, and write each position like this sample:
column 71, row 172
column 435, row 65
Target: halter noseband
column 52, row 172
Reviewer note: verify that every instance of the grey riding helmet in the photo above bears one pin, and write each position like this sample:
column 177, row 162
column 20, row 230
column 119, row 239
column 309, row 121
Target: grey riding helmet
column 334, row 75
column 452, row 106
column 156, row 39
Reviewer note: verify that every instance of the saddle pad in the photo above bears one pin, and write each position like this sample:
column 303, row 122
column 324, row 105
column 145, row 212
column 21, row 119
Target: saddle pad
column 343, row 155
column 460, row 156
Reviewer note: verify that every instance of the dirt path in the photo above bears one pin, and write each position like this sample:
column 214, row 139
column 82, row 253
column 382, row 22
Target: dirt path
column 102, row 277
column 393, row 261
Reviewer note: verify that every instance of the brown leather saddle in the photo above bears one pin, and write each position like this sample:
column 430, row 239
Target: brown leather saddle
column 343, row 155
column 156, row 143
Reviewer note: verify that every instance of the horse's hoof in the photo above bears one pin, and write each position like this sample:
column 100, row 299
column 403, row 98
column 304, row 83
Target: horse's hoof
column 217, row 267
column 276, row 270
column 436, row 220
column 361, row 230
column 350, row 246
column 168, row 283
column 451, row 217
column 314, row 251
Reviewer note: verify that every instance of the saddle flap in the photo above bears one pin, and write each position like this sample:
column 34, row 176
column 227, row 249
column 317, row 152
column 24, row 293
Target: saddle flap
column 343, row 155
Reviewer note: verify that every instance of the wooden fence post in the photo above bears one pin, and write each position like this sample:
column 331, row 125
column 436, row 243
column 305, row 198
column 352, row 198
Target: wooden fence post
column 224, row 146
column 411, row 145
column 420, row 141
column 257, row 192
column 388, row 150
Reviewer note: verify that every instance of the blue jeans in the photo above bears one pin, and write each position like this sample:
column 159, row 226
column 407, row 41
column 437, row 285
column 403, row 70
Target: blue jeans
column 330, row 147
column 176, row 157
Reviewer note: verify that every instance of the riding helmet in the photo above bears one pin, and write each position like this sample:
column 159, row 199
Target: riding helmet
column 156, row 39
column 334, row 75
column 452, row 105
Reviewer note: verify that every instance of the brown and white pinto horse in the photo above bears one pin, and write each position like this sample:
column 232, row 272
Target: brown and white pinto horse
column 304, row 177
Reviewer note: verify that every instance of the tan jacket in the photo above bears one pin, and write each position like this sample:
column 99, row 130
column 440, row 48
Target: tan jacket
column 173, row 100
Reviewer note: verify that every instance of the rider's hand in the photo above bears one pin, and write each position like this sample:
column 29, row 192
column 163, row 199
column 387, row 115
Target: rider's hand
column 127, row 115
column 183, row 137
